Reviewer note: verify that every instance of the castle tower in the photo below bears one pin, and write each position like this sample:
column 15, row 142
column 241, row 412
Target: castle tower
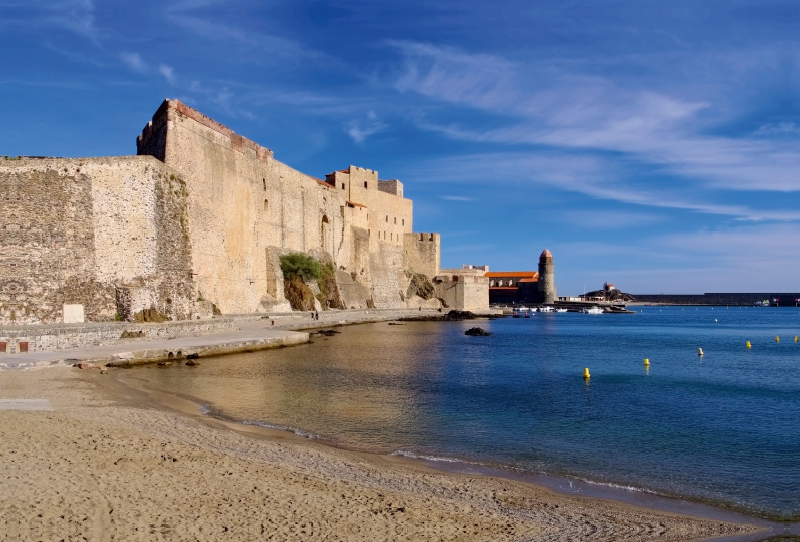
column 547, row 283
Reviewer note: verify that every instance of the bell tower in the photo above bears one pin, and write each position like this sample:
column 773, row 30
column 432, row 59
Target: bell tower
column 547, row 284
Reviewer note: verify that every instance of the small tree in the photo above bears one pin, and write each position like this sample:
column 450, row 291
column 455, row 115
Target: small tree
column 297, row 264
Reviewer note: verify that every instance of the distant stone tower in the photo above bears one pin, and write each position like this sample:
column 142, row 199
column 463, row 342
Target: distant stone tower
column 547, row 282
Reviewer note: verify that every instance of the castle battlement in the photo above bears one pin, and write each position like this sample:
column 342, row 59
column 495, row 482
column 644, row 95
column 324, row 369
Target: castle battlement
column 152, row 134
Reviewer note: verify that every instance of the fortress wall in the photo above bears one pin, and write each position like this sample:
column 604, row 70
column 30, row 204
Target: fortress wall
column 423, row 252
column 246, row 209
column 390, row 217
column 462, row 291
column 75, row 231
column 389, row 282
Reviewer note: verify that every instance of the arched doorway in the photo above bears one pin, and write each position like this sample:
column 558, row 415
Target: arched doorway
column 325, row 232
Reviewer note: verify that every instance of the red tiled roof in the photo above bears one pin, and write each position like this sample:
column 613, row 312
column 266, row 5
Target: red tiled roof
column 532, row 279
column 503, row 288
column 354, row 204
column 323, row 183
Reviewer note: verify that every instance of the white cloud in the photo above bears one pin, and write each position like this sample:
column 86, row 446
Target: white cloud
column 76, row 16
column 134, row 62
column 547, row 105
column 781, row 128
column 589, row 175
column 360, row 130
column 168, row 73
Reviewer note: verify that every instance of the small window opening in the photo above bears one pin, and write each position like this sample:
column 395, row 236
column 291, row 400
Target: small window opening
column 266, row 205
column 342, row 186
column 395, row 220
column 264, row 181
column 365, row 184
column 404, row 222
column 387, row 218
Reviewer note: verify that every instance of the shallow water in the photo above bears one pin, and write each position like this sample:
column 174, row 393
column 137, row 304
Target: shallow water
column 722, row 428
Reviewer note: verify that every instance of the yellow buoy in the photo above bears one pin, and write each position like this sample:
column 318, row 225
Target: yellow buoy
column 699, row 351
column 777, row 339
column 747, row 344
column 586, row 373
column 646, row 361
column 796, row 338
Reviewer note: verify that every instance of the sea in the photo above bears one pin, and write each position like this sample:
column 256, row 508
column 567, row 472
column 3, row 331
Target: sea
column 721, row 428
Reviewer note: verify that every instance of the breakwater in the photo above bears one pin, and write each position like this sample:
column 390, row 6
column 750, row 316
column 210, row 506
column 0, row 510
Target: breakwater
column 784, row 299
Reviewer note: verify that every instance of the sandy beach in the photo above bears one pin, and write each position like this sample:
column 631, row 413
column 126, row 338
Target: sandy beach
column 84, row 457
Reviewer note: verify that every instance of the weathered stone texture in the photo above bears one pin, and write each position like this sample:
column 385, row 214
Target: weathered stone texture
column 245, row 207
column 423, row 252
column 462, row 289
column 77, row 230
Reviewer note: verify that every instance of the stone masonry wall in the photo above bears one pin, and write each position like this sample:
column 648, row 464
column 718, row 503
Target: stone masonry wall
column 423, row 252
column 243, row 204
column 75, row 231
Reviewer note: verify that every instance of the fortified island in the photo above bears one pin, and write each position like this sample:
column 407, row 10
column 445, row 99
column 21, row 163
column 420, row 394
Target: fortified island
column 195, row 225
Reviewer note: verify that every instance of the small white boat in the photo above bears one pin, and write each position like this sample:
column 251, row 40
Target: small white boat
column 592, row 310
column 561, row 310
column 523, row 309
column 546, row 309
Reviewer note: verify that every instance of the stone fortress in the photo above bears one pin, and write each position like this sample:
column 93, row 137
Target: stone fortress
column 196, row 223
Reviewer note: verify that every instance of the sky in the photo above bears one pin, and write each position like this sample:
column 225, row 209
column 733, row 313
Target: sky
column 651, row 144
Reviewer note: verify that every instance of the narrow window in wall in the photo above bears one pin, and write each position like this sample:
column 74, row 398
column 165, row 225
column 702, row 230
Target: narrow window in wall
column 365, row 184
column 342, row 186
column 387, row 218
column 266, row 205
column 369, row 233
column 395, row 220
column 404, row 222
column 265, row 183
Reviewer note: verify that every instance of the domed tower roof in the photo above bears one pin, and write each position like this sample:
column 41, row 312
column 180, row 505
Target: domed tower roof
column 545, row 255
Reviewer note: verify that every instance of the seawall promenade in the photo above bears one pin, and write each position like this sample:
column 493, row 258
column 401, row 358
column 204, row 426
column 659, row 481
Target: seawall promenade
column 173, row 341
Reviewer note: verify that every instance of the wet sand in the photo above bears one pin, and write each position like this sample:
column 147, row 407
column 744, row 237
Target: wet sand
column 108, row 462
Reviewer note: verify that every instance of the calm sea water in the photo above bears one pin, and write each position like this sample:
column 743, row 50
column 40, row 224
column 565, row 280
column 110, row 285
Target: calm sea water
column 723, row 428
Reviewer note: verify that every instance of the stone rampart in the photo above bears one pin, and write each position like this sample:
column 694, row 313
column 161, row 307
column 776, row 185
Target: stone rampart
column 423, row 252
column 198, row 220
column 77, row 231
column 245, row 207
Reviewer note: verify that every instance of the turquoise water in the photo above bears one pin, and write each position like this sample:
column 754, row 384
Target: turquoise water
column 723, row 428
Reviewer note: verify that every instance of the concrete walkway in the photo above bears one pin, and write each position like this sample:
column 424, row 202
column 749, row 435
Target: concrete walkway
column 245, row 336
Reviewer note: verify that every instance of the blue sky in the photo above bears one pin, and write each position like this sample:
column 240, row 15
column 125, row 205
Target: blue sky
column 655, row 145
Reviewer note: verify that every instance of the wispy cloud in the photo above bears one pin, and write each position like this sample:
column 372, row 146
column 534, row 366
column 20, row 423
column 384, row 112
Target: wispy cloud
column 76, row 16
column 169, row 74
column 457, row 198
column 359, row 130
column 134, row 61
column 588, row 175
column 548, row 105
column 780, row 128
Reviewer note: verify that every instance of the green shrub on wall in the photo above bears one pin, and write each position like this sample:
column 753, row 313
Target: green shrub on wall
column 297, row 264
